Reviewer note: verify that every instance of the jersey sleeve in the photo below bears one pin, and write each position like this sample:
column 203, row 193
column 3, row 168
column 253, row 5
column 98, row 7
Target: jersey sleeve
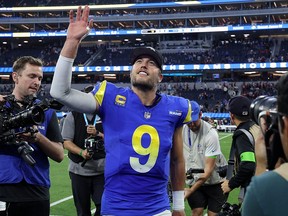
column 99, row 92
column 185, row 106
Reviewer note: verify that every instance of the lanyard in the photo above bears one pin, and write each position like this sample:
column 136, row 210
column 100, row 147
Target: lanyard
column 189, row 137
column 95, row 120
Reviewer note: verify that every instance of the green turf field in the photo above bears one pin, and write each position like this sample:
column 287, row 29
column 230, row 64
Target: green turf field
column 61, row 195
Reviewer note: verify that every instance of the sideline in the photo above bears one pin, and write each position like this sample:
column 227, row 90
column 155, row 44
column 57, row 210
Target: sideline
column 226, row 136
column 63, row 200
column 60, row 201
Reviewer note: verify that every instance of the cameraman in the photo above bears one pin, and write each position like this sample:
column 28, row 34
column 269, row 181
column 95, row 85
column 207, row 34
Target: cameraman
column 202, row 152
column 244, row 148
column 24, row 188
column 86, row 164
column 264, row 194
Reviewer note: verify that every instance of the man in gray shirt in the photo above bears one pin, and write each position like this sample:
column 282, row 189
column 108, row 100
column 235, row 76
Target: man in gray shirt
column 83, row 138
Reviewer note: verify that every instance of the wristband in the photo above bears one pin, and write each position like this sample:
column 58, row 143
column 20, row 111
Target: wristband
column 178, row 200
column 81, row 153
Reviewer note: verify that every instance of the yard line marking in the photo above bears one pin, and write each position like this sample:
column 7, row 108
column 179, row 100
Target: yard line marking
column 60, row 201
column 225, row 136
column 65, row 199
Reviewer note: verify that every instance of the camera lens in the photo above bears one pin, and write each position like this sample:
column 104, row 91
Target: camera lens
column 32, row 116
column 262, row 103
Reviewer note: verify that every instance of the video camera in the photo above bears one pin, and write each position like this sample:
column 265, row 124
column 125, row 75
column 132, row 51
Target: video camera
column 230, row 210
column 93, row 145
column 13, row 123
column 191, row 171
column 266, row 107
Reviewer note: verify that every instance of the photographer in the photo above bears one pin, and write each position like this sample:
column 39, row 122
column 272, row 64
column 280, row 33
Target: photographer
column 25, row 187
column 264, row 192
column 242, row 146
column 86, row 165
column 202, row 152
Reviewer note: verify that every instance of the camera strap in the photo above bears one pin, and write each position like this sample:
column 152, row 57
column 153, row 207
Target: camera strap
column 231, row 161
column 249, row 135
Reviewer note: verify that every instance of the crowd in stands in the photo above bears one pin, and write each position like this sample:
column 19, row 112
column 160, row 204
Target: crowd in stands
column 245, row 50
column 255, row 89
column 49, row 52
column 222, row 51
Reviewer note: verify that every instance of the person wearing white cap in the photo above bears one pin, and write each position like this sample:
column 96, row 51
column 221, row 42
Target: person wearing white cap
column 203, row 158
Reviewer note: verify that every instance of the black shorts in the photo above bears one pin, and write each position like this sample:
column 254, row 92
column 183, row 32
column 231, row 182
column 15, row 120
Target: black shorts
column 210, row 196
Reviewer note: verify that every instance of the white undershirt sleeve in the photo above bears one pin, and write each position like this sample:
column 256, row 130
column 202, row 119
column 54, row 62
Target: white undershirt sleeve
column 61, row 88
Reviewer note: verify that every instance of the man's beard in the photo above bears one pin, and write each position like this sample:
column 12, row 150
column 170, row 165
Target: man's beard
column 195, row 128
column 147, row 86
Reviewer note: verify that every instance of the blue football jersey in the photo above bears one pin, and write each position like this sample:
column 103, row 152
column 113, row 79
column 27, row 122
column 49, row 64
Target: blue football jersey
column 138, row 140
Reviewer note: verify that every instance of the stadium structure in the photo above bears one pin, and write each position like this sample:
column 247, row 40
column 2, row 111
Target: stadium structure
column 203, row 42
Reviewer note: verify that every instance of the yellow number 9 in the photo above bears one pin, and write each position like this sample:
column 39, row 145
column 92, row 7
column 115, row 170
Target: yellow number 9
column 152, row 150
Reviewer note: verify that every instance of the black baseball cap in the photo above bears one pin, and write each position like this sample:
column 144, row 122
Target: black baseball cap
column 150, row 51
column 239, row 106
